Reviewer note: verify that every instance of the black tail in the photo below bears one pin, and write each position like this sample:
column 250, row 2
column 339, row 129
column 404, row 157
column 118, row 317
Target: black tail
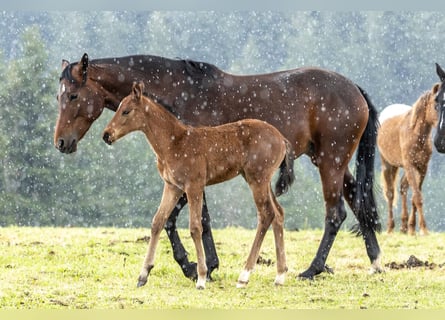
column 364, row 201
column 287, row 176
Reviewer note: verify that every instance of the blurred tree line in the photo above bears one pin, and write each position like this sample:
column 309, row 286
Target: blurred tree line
column 391, row 55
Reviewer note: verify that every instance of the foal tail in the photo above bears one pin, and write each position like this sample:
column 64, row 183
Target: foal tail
column 286, row 176
column 364, row 201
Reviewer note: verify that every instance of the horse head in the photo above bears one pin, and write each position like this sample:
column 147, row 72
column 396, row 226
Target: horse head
column 81, row 101
column 439, row 137
column 129, row 116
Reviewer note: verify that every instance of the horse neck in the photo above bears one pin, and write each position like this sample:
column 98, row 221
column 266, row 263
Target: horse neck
column 420, row 122
column 161, row 128
column 158, row 73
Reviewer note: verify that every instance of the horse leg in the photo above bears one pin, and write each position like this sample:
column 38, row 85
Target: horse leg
column 212, row 260
column 195, row 198
column 415, row 179
column 389, row 174
column 265, row 216
column 372, row 247
column 278, row 231
column 332, row 182
column 404, row 186
column 179, row 252
column 423, row 230
column 170, row 197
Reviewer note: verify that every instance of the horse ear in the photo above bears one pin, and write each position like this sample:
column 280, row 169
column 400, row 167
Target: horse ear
column 65, row 64
column 84, row 64
column 137, row 90
column 440, row 72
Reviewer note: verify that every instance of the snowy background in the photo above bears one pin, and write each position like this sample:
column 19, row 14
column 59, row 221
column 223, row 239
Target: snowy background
column 390, row 54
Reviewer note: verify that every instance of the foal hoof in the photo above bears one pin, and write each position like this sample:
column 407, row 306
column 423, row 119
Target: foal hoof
column 201, row 284
column 141, row 282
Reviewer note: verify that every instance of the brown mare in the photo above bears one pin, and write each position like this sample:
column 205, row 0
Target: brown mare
column 323, row 114
column 190, row 158
column 404, row 141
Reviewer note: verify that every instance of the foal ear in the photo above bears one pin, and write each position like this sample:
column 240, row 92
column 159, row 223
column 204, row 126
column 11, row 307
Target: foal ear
column 138, row 89
column 440, row 72
column 65, row 64
column 84, row 64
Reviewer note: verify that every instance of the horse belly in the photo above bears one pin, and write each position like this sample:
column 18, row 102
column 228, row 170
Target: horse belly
column 388, row 142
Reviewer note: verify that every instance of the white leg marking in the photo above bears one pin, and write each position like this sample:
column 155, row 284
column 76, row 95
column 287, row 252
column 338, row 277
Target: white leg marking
column 243, row 279
column 279, row 279
column 201, row 283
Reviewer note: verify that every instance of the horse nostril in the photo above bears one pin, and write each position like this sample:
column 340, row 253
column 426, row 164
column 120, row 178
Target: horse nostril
column 60, row 143
column 106, row 138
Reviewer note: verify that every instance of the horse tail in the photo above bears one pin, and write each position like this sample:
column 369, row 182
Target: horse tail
column 364, row 201
column 286, row 176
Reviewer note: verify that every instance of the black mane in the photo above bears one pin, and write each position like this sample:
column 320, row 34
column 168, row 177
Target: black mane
column 66, row 73
column 197, row 70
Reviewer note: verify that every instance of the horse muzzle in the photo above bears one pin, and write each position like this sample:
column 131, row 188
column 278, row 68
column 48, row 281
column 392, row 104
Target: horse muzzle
column 66, row 146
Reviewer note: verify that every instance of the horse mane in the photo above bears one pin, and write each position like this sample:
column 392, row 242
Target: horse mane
column 418, row 112
column 66, row 73
column 198, row 70
column 195, row 69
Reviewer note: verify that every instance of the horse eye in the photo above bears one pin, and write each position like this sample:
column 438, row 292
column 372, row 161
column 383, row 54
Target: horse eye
column 73, row 96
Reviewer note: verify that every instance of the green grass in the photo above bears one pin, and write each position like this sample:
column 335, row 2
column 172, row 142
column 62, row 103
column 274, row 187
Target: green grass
column 75, row 268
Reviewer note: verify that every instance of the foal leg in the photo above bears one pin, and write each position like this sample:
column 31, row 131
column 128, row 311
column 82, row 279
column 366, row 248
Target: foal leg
column 278, row 231
column 266, row 214
column 195, row 199
column 170, row 197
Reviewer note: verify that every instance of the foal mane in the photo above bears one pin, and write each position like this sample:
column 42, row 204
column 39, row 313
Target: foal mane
column 419, row 110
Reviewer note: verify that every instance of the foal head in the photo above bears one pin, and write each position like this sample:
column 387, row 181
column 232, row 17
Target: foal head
column 129, row 116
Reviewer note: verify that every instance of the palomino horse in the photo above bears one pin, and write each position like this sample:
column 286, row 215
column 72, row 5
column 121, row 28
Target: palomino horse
column 404, row 141
column 323, row 114
column 190, row 158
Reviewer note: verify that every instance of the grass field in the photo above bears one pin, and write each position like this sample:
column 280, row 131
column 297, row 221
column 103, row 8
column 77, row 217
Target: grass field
column 75, row 268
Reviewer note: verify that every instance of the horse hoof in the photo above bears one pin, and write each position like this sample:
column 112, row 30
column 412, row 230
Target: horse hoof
column 141, row 283
column 209, row 272
column 190, row 271
column 306, row 275
column 279, row 279
column 201, row 284
column 241, row 284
